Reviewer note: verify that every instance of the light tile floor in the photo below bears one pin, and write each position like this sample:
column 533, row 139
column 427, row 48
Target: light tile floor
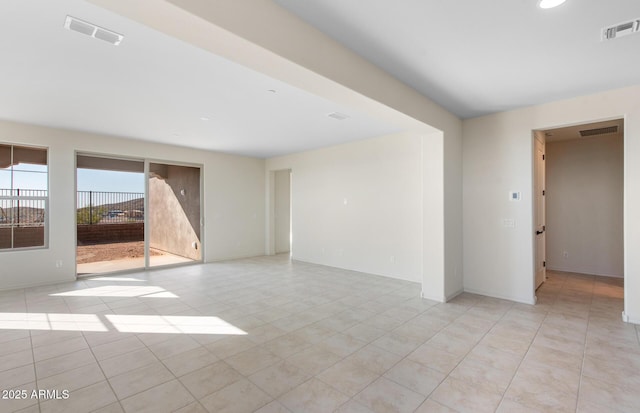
column 268, row 335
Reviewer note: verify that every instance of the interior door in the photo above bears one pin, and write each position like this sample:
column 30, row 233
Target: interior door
column 539, row 199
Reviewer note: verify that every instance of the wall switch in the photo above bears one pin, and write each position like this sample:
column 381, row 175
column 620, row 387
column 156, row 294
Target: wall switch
column 514, row 196
column 509, row 223
column 59, row 264
column 565, row 254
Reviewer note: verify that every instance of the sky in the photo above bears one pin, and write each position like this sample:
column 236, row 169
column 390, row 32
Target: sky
column 110, row 181
column 88, row 180
column 24, row 177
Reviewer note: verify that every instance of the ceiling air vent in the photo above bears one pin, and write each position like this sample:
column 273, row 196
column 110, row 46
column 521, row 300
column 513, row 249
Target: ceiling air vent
column 338, row 116
column 599, row 131
column 621, row 29
column 90, row 29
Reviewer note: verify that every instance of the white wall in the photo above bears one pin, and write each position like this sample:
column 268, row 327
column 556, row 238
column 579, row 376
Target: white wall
column 233, row 200
column 452, row 210
column 498, row 157
column 243, row 32
column 282, row 211
column 359, row 206
column 584, row 205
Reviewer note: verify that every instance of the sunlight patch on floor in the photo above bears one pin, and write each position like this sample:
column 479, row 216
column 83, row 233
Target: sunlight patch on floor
column 118, row 291
column 100, row 278
column 51, row 321
column 121, row 323
column 172, row 324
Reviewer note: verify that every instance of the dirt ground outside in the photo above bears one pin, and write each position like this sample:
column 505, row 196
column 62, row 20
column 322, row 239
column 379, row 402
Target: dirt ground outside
column 109, row 252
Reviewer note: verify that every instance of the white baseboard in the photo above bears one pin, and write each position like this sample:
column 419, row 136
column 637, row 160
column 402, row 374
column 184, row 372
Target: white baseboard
column 454, row 295
column 582, row 271
column 234, row 257
column 531, row 300
column 439, row 299
column 360, row 270
column 37, row 284
column 632, row 319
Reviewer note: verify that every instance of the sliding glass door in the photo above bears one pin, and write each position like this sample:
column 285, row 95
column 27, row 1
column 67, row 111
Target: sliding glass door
column 123, row 224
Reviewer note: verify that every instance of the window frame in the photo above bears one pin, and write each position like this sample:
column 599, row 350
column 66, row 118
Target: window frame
column 28, row 198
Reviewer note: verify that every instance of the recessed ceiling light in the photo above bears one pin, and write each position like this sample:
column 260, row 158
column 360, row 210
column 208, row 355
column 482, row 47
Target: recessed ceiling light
column 204, row 118
column 90, row 29
column 549, row 4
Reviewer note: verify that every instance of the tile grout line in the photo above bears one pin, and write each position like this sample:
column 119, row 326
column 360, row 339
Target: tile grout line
column 32, row 348
column 33, row 357
column 425, row 342
column 527, row 352
column 315, row 376
column 584, row 348
column 105, row 379
column 178, row 378
column 352, row 398
column 94, row 357
column 468, row 352
column 100, row 366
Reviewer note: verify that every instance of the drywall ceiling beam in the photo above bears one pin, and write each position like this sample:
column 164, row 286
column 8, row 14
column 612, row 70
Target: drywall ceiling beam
column 262, row 36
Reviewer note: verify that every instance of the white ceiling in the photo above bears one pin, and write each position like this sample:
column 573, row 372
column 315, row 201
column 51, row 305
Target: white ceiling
column 477, row 57
column 469, row 56
column 154, row 87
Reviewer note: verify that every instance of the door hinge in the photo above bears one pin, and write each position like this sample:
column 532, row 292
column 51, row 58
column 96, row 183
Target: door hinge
column 544, row 227
column 543, row 157
column 543, row 192
column 544, row 263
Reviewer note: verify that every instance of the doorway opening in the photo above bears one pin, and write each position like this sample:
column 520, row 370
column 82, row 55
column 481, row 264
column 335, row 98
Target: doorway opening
column 578, row 207
column 109, row 214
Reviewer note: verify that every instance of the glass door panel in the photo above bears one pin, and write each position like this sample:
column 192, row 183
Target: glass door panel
column 173, row 214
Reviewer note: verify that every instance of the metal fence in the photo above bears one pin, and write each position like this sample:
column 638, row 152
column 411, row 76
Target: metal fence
column 96, row 207
column 27, row 207
column 41, row 193
column 22, row 207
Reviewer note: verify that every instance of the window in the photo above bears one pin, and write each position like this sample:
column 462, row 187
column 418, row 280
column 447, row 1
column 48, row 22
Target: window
column 24, row 197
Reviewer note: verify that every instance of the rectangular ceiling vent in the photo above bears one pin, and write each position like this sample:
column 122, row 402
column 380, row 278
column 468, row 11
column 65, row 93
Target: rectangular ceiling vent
column 599, row 131
column 97, row 32
column 338, row 116
column 621, row 29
